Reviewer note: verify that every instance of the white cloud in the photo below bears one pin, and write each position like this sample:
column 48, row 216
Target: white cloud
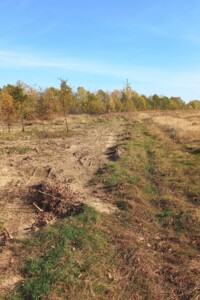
column 142, row 74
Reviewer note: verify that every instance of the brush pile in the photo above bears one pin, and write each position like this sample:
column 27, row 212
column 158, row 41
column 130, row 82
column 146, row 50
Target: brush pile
column 56, row 198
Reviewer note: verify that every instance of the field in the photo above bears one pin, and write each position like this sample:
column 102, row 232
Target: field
column 108, row 210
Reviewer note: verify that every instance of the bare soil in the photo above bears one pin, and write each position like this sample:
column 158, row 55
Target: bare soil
column 70, row 162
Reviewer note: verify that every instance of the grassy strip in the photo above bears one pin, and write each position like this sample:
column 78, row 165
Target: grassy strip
column 130, row 177
column 35, row 133
column 156, row 186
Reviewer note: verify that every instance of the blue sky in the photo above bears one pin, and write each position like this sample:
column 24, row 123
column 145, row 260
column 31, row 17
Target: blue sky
column 99, row 44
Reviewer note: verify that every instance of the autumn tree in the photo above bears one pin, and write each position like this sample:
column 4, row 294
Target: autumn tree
column 143, row 103
column 82, row 98
column 194, row 104
column 104, row 101
column 176, row 103
column 20, row 97
column 7, row 108
column 30, row 103
column 44, row 107
column 66, row 96
column 115, row 101
column 154, row 102
column 53, row 96
column 128, row 98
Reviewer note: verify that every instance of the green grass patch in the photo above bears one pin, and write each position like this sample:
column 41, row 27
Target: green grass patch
column 132, row 172
column 117, row 175
column 70, row 257
column 164, row 214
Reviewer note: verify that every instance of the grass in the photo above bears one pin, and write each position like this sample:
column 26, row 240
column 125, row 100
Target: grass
column 164, row 214
column 35, row 133
column 160, row 207
column 118, row 176
column 2, row 222
column 131, row 175
column 148, row 249
column 68, row 260
column 17, row 149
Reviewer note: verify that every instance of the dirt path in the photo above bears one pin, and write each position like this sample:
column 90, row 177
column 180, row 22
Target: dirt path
column 25, row 162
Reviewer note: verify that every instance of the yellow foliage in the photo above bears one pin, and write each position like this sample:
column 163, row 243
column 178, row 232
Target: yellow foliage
column 7, row 108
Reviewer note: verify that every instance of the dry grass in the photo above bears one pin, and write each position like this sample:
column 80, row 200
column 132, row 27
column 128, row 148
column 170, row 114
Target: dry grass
column 157, row 236
column 148, row 249
column 182, row 126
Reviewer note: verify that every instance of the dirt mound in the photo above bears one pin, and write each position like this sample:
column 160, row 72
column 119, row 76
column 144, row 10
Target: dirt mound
column 55, row 198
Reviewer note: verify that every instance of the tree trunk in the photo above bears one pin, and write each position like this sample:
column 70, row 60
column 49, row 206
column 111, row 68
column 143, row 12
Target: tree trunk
column 8, row 127
column 66, row 124
column 22, row 118
column 65, row 116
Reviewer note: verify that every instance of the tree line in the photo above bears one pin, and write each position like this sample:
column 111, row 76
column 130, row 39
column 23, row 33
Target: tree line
column 21, row 102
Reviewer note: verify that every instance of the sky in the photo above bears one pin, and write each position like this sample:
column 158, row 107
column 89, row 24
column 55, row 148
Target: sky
column 99, row 44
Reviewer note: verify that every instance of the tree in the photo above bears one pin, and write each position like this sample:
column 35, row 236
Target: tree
column 140, row 102
column 44, row 107
column 19, row 95
column 128, row 97
column 65, row 100
column 52, row 95
column 104, row 101
column 32, row 96
column 154, row 101
column 7, row 108
column 176, row 103
column 82, row 98
column 194, row 104
column 94, row 106
column 115, row 100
